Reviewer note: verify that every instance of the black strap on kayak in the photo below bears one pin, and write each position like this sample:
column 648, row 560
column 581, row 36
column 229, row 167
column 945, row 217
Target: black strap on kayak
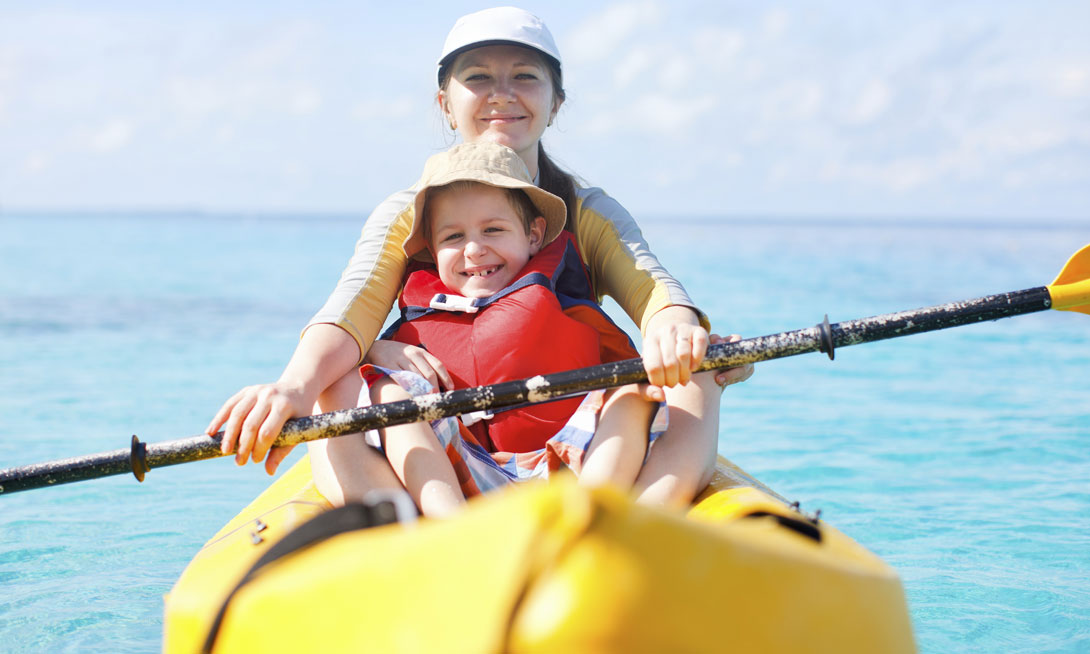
column 351, row 517
column 808, row 527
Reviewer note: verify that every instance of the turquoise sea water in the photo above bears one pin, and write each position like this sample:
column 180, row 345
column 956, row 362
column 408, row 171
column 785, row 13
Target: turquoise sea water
column 961, row 457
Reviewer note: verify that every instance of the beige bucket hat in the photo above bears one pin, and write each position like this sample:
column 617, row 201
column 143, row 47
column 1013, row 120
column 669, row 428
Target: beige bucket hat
column 487, row 163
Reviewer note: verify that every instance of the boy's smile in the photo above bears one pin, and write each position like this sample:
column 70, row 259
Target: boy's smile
column 481, row 272
column 478, row 239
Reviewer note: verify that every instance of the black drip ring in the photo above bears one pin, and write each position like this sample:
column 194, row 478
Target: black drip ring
column 825, row 334
column 138, row 457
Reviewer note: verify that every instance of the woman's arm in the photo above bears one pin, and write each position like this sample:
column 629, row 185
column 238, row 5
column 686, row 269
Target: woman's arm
column 331, row 345
column 369, row 284
column 621, row 264
column 254, row 416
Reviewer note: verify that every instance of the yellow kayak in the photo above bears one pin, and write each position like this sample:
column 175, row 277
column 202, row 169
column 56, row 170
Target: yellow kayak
column 542, row 568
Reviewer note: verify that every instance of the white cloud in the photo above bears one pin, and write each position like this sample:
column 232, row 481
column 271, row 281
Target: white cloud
column 905, row 174
column 898, row 175
column 304, row 101
column 776, row 23
column 1072, row 81
column 669, row 114
column 194, row 96
column 397, row 107
column 280, row 48
column 7, row 77
column 599, row 125
column 293, row 172
column 792, row 100
column 245, row 72
column 1046, row 173
column 716, row 46
column 238, row 95
column 872, row 102
column 599, row 35
column 651, row 114
column 111, row 137
column 1020, row 141
column 7, row 63
column 676, row 72
column 37, row 162
column 632, row 64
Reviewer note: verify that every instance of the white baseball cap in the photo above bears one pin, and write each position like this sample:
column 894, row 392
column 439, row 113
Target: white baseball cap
column 497, row 26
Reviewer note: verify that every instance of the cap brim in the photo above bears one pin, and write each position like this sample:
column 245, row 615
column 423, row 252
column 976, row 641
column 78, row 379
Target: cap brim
column 451, row 56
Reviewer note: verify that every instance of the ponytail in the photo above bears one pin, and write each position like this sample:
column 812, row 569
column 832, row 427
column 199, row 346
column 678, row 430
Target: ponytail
column 555, row 180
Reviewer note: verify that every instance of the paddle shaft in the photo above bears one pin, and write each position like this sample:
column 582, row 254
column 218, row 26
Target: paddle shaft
column 824, row 337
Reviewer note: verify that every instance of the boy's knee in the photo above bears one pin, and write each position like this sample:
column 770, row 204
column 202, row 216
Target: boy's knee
column 627, row 393
column 387, row 390
column 629, row 401
column 341, row 394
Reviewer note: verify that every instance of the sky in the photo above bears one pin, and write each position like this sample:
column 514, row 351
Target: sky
column 870, row 109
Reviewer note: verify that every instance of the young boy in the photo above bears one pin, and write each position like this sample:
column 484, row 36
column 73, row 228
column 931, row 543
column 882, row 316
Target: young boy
column 502, row 296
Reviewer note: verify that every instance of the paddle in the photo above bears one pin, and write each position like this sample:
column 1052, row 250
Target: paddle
column 1070, row 291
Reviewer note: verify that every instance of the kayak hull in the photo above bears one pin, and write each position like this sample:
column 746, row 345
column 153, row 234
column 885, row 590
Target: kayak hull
column 545, row 568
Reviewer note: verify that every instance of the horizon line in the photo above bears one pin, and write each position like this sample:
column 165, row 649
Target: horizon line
column 727, row 216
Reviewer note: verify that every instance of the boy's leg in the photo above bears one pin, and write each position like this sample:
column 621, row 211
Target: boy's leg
column 346, row 468
column 682, row 460
column 619, row 445
column 419, row 459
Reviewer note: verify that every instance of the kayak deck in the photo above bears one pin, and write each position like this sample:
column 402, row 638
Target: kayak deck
column 545, row 568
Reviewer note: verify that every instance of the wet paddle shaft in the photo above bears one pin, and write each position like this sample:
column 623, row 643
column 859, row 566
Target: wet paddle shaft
column 1070, row 291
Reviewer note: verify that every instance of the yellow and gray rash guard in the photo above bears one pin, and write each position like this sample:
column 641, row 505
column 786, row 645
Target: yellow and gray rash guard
column 616, row 255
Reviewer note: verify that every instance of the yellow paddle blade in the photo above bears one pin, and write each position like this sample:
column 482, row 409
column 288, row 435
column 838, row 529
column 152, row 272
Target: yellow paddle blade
column 1070, row 290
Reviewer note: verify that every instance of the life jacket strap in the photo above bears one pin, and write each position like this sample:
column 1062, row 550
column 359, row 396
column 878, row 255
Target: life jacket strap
column 469, row 419
column 451, row 302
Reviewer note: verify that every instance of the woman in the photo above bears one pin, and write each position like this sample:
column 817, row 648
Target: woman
column 500, row 81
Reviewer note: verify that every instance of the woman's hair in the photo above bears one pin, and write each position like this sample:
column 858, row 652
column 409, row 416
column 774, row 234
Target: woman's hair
column 559, row 182
column 551, row 177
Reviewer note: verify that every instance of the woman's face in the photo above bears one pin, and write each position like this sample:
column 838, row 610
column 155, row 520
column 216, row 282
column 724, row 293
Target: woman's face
column 503, row 94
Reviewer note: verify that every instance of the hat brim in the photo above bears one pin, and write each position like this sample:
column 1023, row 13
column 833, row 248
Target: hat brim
column 550, row 207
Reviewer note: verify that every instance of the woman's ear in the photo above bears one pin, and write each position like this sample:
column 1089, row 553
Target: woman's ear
column 556, row 109
column 444, row 107
column 537, row 235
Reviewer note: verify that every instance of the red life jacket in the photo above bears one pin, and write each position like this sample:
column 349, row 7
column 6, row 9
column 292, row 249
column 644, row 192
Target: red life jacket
column 544, row 322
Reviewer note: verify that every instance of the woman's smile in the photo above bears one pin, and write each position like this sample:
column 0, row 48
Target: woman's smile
column 504, row 118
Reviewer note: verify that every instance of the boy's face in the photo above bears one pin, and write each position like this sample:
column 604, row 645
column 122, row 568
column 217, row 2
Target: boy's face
column 478, row 240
